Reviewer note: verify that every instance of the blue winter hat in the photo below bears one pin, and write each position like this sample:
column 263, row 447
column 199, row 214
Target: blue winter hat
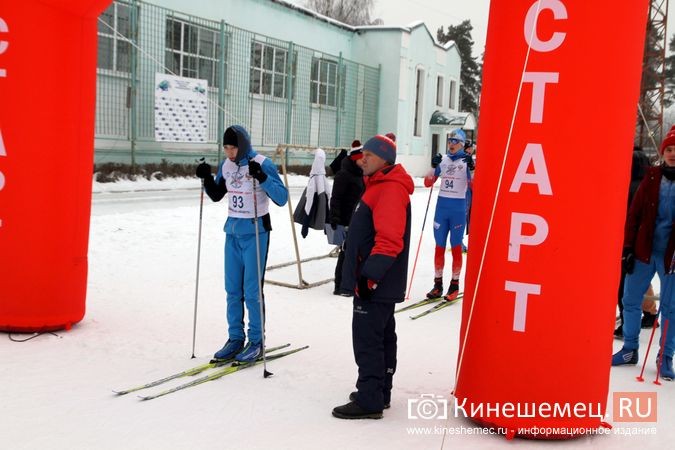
column 458, row 134
column 383, row 147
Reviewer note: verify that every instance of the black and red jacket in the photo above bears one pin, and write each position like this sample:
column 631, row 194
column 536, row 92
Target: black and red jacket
column 378, row 241
column 641, row 220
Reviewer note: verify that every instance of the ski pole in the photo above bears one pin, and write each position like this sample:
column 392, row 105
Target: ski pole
column 419, row 244
column 266, row 374
column 199, row 251
column 651, row 337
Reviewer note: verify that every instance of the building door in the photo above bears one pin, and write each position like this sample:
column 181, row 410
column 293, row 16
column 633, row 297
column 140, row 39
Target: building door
column 434, row 144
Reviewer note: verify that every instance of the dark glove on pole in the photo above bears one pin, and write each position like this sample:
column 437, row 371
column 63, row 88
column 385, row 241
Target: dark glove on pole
column 436, row 160
column 256, row 171
column 469, row 162
column 203, row 170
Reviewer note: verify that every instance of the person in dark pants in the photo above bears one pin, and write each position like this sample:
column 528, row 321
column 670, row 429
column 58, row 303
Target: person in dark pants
column 348, row 187
column 376, row 270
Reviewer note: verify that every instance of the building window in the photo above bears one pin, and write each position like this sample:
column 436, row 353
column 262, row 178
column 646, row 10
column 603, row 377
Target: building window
column 114, row 38
column 453, row 88
column 419, row 103
column 439, row 91
column 269, row 69
column 324, row 82
column 193, row 51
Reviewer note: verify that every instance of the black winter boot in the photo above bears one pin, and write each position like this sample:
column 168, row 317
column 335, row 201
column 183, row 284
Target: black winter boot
column 648, row 320
column 353, row 411
column 437, row 291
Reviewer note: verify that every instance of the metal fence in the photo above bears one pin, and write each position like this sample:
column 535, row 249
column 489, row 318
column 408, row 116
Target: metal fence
column 281, row 92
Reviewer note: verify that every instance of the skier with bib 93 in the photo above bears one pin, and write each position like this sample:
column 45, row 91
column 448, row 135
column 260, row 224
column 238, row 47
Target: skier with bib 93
column 244, row 174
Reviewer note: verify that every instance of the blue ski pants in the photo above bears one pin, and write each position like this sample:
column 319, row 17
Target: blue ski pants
column 241, row 284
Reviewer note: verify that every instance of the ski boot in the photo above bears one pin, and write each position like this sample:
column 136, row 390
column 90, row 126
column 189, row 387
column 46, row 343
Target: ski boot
column 250, row 353
column 229, row 350
column 625, row 357
column 666, row 368
column 453, row 291
column 437, row 291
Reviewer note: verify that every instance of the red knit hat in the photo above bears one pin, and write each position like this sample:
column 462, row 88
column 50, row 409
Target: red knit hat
column 356, row 151
column 668, row 140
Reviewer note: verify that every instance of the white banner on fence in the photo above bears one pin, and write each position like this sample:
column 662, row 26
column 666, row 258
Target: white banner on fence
column 181, row 109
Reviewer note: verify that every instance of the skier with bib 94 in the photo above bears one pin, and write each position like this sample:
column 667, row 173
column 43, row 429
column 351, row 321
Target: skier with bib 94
column 455, row 169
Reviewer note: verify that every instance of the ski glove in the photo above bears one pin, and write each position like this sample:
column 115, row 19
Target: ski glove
column 436, row 160
column 203, row 170
column 256, row 171
column 365, row 288
column 469, row 162
column 628, row 260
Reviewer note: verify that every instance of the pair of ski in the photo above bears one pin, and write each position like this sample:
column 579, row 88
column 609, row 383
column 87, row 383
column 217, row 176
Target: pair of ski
column 227, row 367
column 428, row 301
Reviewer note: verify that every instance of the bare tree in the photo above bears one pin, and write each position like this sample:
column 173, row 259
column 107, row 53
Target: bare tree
column 351, row 12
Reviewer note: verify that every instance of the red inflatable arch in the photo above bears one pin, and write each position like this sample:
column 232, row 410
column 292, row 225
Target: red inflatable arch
column 48, row 92
column 547, row 227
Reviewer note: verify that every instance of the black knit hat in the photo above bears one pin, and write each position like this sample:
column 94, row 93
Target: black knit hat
column 230, row 137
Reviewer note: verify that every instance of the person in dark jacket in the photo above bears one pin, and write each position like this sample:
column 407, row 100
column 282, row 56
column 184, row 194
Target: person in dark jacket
column 347, row 189
column 639, row 167
column 649, row 244
column 376, row 270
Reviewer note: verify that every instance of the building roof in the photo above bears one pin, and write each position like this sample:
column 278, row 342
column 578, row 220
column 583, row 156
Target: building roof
column 356, row 29
column 460, row 119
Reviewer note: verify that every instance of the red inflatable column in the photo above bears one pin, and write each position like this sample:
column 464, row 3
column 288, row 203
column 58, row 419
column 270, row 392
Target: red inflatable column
column 560, row 89
column 47, row 104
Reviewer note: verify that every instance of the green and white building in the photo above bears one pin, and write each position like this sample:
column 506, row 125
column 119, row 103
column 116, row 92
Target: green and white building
column 284, row 72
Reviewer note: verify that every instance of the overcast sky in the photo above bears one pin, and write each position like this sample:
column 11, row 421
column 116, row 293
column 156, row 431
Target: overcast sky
column 437, row 13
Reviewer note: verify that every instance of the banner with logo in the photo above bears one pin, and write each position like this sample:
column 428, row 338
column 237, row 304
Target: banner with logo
column 181, row 109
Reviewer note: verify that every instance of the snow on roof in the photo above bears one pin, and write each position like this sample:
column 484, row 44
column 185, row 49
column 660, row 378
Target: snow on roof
column 408, row 28
column 314, row 14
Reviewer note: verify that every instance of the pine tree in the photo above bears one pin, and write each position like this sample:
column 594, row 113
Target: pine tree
column 669, row 97
column 470, row 85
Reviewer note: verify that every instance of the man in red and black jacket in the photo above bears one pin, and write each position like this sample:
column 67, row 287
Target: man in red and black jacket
column 375, row 270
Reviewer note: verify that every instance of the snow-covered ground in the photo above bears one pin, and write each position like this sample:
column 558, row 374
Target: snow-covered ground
column 57, row 390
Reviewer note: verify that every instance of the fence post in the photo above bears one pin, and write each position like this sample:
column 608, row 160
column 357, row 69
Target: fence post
column 289, row 98
column 338, row 86
column 221, row 90
column 133, row 130
column 377, row 99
